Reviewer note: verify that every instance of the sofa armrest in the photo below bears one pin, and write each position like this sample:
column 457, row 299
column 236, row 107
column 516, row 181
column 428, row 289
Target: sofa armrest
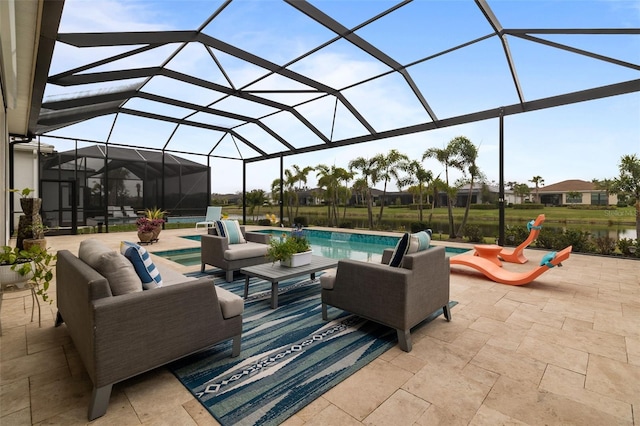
column 136, row 332
column 257, row 237
column 212, row 247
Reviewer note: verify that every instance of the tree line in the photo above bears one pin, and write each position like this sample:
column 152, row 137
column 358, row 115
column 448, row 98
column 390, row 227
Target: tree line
column 337, row 185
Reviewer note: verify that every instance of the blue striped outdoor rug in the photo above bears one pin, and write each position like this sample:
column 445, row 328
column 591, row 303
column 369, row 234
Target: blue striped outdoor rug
column 289, row 357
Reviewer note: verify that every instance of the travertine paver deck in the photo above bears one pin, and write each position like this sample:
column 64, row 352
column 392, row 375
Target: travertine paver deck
column 564, row 349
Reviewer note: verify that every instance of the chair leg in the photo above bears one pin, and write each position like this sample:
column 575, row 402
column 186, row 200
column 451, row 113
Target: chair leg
column 99, row 401
column 202, row 268
column 229, row 276
column 404, row 340
column 324, row 312
column 237, row 341
column 447, row 312
column 59, row 319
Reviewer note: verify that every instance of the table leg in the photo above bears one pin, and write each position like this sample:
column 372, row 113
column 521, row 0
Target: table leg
column 274, row 295
column 313, row 276
column 246, row 286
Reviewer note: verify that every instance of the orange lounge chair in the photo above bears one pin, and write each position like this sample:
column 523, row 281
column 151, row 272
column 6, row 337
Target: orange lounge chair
column 516, row 255
column 503, row 276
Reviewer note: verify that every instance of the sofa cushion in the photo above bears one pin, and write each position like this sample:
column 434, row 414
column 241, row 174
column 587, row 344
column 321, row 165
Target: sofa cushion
column 231, row 304
column 112, row 265
column 139, row 257
column 245, row 251
column 231, row 230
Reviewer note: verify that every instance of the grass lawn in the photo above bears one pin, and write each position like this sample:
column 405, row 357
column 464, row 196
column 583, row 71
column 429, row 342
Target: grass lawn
column 560, row 215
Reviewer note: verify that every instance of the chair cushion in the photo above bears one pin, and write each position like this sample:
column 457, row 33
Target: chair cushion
column 142, row 263
column 231, row 230
column 231, row 304
column 246, row 251
column 112, row 265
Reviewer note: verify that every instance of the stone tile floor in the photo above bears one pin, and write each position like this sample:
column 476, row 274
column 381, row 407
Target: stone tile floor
column 564, row 349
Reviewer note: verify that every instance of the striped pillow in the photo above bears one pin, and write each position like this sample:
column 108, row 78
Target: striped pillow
column 231, row 230
column 419, row 241
column 142, row 263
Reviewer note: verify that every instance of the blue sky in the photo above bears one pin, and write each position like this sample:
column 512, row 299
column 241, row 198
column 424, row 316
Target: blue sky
column 580, row 141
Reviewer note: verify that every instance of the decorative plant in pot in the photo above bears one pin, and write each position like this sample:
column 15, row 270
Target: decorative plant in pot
column 17, row 267
column 30, row 221
column 145, row 229
column 156, row 217
column 293, row 250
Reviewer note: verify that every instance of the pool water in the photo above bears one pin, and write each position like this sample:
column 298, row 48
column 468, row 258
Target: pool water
column 335, row 245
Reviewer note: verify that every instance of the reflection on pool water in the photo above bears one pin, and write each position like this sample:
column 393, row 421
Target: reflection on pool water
column 335, row 245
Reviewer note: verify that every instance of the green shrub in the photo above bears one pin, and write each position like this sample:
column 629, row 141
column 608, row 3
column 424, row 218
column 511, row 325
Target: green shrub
column 515, row 235
column 483, row 206
column 625, row 245
column 578, row 239
column 264, row 222
column 418, row 226
column 605, row 245
column 472, row 233
column 301, row 220
column 345, row 224
column 528, row 206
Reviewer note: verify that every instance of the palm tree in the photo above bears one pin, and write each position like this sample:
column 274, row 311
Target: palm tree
column 359, row 188
column 255, row 198
column 388, row 166
column 419, row 178
column 329, row 178
column 448, row 158
column 299, row 176
column 368, row 169
column 521, row 190
column 468, row 154
column 629, row 182
column 538, row 181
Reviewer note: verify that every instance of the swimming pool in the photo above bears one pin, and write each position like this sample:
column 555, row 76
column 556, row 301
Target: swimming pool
column 335, row 245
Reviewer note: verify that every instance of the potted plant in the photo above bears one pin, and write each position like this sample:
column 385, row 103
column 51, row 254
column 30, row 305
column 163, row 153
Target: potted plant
column 293, row 250
column 35, row 265
column 155, row 216
column 145, row 229
column 36, row 237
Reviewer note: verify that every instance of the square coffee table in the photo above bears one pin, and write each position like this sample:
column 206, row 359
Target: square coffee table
column 274, row 273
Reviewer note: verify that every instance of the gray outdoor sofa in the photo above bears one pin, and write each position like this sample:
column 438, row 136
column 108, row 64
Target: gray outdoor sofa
column 399, row 297
column 216, row 251
column 119, row 336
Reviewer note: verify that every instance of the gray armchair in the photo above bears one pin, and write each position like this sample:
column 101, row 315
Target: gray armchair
column 216, row 251
column 399, row 298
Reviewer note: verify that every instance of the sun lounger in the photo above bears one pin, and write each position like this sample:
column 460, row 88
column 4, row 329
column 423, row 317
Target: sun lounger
column 213, row 214
column 517, row 255
column 500, row 275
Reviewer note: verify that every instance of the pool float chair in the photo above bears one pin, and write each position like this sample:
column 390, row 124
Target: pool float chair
column 503, row 276
column 517, row 255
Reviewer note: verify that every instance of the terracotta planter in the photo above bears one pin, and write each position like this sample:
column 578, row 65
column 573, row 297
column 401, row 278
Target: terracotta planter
column 145, row 237
column 298, row 259
column 156, row 232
